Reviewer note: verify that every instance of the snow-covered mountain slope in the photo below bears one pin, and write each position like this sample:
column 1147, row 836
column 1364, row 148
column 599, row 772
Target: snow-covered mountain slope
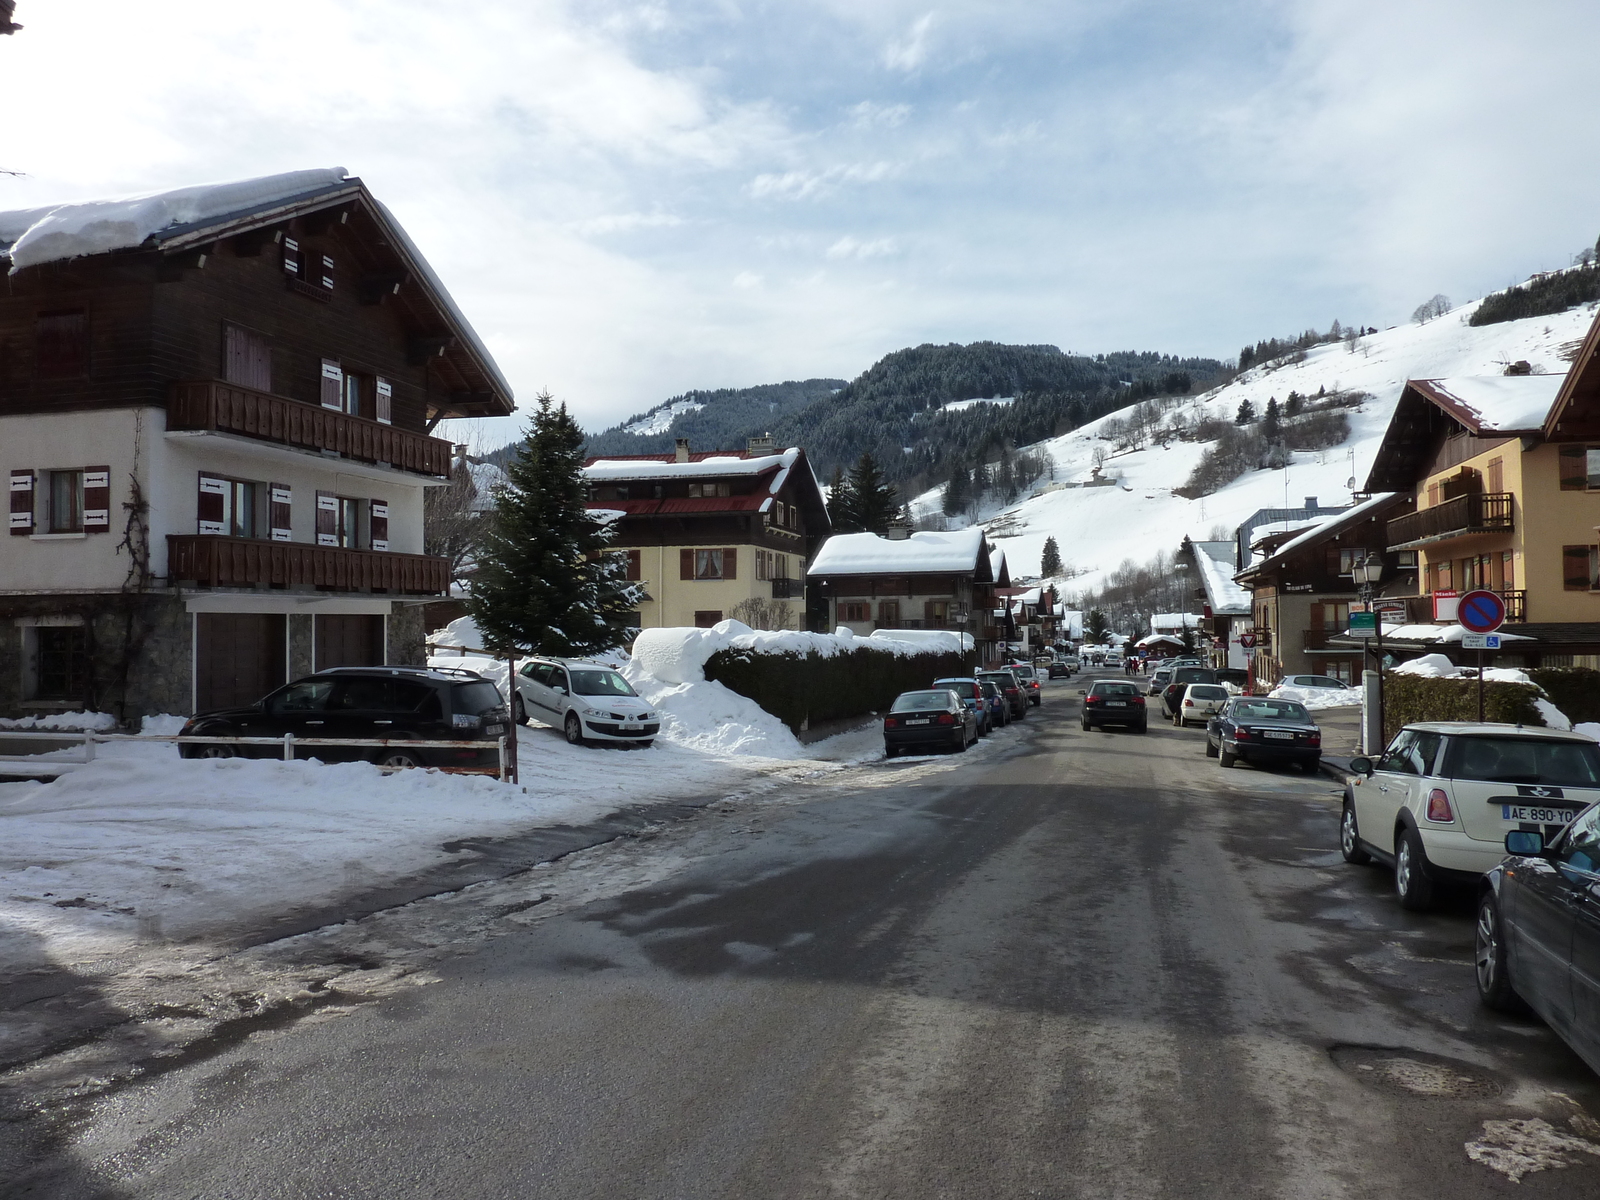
column 1098, row 528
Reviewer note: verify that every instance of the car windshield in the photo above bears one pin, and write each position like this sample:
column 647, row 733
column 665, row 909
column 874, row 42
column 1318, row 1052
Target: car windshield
column 1192, row 675
column 1207, row 691
column 600, row 683
column 1270, row 710
column 915, row 701
column 1001, row 679
column 1116, row 689
column 475, row 698
column 1525, row 760
column 1022, row 672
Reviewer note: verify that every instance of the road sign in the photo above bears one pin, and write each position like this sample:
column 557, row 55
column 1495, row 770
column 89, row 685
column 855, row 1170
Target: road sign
column 1363, row 622
column 1444, row 604
column 1481, row 612
column 1247, row 640
column 1480, row 641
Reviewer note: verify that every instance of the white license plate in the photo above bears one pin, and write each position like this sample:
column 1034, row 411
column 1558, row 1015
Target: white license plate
column 1280, row 734
column 1544, row 816
column 492, row 730
column 632, row 725
column 1116, row 704
column 922, row 721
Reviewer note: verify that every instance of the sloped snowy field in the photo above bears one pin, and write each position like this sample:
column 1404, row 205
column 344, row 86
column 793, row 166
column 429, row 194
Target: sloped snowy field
column 1098, row 528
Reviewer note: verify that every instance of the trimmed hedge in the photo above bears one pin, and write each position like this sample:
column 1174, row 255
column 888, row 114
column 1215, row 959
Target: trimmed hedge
column 798, row 688
column 1574, row 690
column 1408, row 698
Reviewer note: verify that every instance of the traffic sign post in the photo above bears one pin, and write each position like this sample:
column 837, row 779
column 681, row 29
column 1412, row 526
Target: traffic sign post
column 1480, row 613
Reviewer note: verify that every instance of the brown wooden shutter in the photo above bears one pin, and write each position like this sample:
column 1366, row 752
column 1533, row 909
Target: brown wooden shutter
column 635, row 566
column 280, row 512
column 21, row 503
column 730, row 563
column 1575, row 568
column 685, row 564
column 247, row 358
column 211, row 506
column 332, row 384
column 327, row 519
column 1433, row 495
column 1497, row 474
column 384, row 409
column 97, row 499
column 379, row 524
column 1573, row 465
column 327, row 272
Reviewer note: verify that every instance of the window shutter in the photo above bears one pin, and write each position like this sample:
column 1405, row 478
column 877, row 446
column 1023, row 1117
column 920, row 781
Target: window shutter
column 385, row 405
column 327, row 519
column 291, row 256
column 685, row 564
column 212, row 505
column 1574, row 468
column 327, row 272
column 730, row 563
column 379, row 524
column 280, row 510
column 1575, row 568
column 927, row 612
column 21, row 503
column 97, row 499
column 635, row 566
column 332, row 385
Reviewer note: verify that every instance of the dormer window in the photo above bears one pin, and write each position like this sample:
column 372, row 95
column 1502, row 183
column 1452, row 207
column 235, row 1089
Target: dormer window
column 706, row 491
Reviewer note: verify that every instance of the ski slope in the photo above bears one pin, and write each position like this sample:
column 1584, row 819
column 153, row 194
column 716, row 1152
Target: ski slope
column 1099, row 528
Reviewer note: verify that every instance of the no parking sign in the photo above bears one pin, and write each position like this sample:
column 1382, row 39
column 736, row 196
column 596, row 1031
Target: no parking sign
column 1481, row 612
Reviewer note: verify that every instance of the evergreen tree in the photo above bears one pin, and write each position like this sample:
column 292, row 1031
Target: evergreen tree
column 1269, row 420
column 1050, row 562
column 957, row 493
column 874, row 503
column 1291, row 406
column 842, row 504
column 542, row 583
column 1006, row 479
column 1095, row 628
column 1247, row 413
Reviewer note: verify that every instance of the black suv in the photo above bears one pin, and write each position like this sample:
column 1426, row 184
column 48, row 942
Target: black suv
column 403, row 703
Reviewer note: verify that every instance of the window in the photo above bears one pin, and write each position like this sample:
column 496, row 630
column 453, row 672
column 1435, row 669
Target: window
column 1579, row 468
column 1580, row 849
column 1577, row 568
column 710, row 564
column 889, row 613
column 855, row 610
column 239, row 509
column 61, row 345
column 66, row 502
column 63, row 663
column 309, row 695
column 247, row 358
column 348, row 529
column 230, row 507
column 780, row 566
column 1406, row 559
column 1349, row 556
column 1523, row 760
column 706, row 618
column 356, row 391
column 707, row 490
column 936, row 613
column 763, row 564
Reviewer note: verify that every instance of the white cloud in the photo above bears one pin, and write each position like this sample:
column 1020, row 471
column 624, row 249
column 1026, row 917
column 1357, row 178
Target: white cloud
column 745, row 280
column 624, row 223
column 867, row 114
column 907, row 54
column 849, row 247
column 808, row 184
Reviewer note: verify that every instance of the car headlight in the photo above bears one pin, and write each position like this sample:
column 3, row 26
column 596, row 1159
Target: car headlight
column 591, row 712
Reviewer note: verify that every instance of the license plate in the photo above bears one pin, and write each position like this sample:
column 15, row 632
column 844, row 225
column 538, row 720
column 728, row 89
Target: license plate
column 923, row 721
column 1543, row 816
column 1281, row 735
column 492, row 730
column 1116, row 704
column 632, row 725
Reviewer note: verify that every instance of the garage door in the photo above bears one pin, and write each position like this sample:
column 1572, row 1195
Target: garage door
column 239, row 658
column 349, row 641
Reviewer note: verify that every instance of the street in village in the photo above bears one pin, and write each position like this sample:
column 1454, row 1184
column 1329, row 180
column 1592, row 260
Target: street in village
column 1067, row 963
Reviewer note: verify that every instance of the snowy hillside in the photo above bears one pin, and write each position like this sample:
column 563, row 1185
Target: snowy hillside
column 660, row 419
column 1098, row 528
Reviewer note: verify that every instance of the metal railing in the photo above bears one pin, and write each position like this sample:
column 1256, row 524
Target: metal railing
column 38, row 765
column 788, row 589
column 1476, row 512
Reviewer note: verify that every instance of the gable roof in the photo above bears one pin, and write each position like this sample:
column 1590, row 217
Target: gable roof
column 1329, row 527
column 1214, row 561
column 960, row 552
column 770, row 471
column 1483, row 406
column 191, row 217
column 1576, row 411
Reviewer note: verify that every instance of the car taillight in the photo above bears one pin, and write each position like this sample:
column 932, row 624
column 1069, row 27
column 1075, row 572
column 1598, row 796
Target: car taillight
column 1091, row 699
column 1314, row 739
column 891, row 722
column 1139, row 700
column 1188, row 703
column 947, row 718
column 1439, row 806
column 1241, row 734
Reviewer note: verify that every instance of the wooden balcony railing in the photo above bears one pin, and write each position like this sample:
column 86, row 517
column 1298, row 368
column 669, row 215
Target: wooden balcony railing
column 252, row 562
column 229, row 408
column 1476, row 512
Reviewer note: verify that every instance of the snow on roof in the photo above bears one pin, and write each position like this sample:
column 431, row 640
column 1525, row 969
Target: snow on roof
column 1215, row 561
column 924, row 552
column 1498, row 402
column 1328, row 525
column 712, row 465
column 997, row 562
column 1160, row 621
column 56, row 231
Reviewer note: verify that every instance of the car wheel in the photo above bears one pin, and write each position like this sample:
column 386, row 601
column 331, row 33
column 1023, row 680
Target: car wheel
column 1350, row 837
column 1086, row 725
column 1211, row 748
column 890, row 751
column 397, row 758
column 518, row 712
column 1411, row 882
column 213, row 752
column 1489, row 959
column 573, row 728
column 1226, row 757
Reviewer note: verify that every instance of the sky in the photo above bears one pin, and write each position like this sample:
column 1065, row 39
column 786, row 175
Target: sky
column 630, row 200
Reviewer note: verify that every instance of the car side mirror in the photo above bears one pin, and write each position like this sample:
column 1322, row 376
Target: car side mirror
column 559, row 688
column 1361, row 766
column 1525, row 842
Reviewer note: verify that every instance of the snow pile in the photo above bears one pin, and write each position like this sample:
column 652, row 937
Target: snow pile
column 40, row 235
column 1589, row 729
column 704, row 715
column 1317, row 699
column 161, row 725
column 463, row 631
column 67, row 722
column 679, row 655
column 1554, row 718
column 1437, row 666
column 1501, row 402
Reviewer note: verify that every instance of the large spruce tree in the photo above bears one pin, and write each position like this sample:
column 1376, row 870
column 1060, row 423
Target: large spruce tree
column 842, row 513
column 1050, row 561
column 542, row 583
column 876, row 501
column 958, row 492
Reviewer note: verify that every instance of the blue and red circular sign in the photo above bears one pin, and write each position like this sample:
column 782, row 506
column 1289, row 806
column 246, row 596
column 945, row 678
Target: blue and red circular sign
column 1481, row 612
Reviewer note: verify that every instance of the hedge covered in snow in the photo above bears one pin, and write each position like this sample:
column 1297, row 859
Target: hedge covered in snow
column 1574, row 690
column 1408, row 698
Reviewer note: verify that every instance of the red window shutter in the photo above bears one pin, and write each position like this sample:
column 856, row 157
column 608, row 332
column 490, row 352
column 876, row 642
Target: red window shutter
column 635, row 567
column 379, row 524
column 1575, row 568
column 21, row 503
column 332, row 385
column 211, row 508
column 280, row 510
column 385, row 404
column 1573, row 465
column 327, row 272
column 97, row 499
column 685, row 564
column 291, row 256
column 730, row 563
column 327, row 519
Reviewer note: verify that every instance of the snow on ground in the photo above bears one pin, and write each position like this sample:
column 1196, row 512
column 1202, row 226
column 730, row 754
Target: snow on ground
column 1097, row 528
column 661, row 419
column 1318, row 699
column 67, row 721
column 962, row 405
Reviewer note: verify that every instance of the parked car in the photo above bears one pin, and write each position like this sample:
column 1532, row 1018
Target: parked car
column 935, row 718
column 1182, row 677
column 1114, row 702
column 1029, row 679
column 1326, row 682
column 1159, row 680
column 1259, row 729
column 1440, row 801
column 1201, row 702
column 971, row 692
column 1011, row 687
column 399, row 703
column 999, row 706
column 1538, row 931
column 586, row 701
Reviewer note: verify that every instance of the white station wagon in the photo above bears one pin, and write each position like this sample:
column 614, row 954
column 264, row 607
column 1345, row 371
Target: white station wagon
column 586, row 701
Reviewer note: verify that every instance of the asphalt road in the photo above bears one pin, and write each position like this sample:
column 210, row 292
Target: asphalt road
column 1074, row 965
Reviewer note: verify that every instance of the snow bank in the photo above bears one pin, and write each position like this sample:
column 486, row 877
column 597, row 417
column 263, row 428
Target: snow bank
column 1317, row 699
column 1589, row 729
column 679, row 655
column 70, row 722
column 1437, row 666
column 704, row 715
column 161, row 724
column 463, row 631
column 1554, row 718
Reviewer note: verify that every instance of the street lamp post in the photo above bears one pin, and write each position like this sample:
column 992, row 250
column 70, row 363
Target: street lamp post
column 1368, row 574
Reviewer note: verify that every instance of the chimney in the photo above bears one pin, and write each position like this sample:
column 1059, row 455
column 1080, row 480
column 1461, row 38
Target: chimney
column 1311, row 501
column 683, row 450
column 758, row 446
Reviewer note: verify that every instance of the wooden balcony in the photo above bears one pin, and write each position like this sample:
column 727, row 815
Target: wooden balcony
column 253, row 562
column 1476, row 512
column 214, row 406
